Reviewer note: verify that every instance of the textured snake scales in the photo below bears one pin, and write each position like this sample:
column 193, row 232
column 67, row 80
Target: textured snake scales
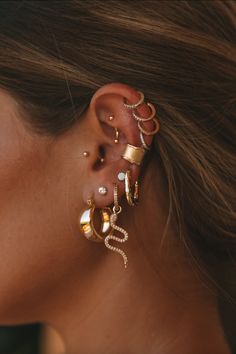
column 113, row 220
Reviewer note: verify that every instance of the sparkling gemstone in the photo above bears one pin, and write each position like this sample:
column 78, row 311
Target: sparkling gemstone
column 102, row 190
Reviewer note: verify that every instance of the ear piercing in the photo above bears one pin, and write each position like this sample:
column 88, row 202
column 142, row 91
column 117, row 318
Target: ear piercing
column 114, row 218
column 117, row 136
column 102, row 190
column 85, row 154
column 133, row 154
column 144, row 145
column 121, row 176
column 132, row 197
column 87, row 226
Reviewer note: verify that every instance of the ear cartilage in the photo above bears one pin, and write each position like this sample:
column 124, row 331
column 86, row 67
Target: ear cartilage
column 144, row 145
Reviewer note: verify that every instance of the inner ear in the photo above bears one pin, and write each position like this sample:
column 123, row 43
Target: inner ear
column 98, row 164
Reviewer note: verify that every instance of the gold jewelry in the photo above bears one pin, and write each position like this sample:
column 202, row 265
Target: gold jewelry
column 87, row 226
column 114, row 217
column 135, row 105
column 132, row 198
column 144, row 145
column 133, row 154
column 140, row 119
column 117, row 136
column 156, row 128
column 85, row 154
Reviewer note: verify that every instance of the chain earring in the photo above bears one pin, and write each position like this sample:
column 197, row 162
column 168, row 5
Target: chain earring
column 114, row 217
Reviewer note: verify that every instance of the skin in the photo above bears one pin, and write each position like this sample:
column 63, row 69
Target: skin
column 50, row 273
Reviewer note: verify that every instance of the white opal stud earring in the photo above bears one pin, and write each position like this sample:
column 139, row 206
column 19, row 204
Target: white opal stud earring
column 110, row 118
column 102, row 190
column 121, row 176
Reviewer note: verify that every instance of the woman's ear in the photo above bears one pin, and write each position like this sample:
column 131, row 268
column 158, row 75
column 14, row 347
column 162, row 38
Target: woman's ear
column 111, row 126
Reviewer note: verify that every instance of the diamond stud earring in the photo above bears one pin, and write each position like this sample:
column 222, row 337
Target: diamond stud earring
column 102, row 190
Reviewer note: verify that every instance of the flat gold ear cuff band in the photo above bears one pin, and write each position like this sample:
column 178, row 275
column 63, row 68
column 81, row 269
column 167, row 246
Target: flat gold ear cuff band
column 134, row 154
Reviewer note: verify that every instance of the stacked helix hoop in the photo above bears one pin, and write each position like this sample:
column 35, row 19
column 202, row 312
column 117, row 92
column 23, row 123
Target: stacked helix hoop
column 134, row 155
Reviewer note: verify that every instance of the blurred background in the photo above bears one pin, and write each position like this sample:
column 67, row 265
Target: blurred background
column 42, row 339
column 30, row 339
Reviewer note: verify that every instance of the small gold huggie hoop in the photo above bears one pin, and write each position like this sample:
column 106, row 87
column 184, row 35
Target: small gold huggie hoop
column 132, row 198
column 87, row 226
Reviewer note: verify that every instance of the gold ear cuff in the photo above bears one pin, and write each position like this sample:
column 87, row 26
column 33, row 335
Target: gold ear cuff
column 133, row 154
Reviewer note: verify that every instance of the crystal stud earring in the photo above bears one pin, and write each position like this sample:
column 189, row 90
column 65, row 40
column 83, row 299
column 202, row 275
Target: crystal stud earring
column 102, row 190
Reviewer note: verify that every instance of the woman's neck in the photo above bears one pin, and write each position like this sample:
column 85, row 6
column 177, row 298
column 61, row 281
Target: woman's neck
column 158, row 305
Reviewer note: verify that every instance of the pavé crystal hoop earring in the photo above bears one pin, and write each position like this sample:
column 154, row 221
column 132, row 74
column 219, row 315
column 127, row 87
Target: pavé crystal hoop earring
column 114, row 217
column 87, row 226
column 140, row 120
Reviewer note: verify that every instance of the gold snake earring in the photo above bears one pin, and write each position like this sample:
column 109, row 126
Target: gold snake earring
column 113, row 219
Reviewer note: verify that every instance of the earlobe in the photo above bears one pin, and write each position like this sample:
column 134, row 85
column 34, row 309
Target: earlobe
column 124, row 132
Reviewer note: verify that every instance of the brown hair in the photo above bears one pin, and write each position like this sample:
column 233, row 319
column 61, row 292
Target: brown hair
column 181, row 54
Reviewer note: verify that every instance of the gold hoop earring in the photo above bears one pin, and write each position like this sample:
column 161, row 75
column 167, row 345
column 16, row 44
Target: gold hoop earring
column 114, row 217
column 131, row 197
column 87, row 226
column 116, row 140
